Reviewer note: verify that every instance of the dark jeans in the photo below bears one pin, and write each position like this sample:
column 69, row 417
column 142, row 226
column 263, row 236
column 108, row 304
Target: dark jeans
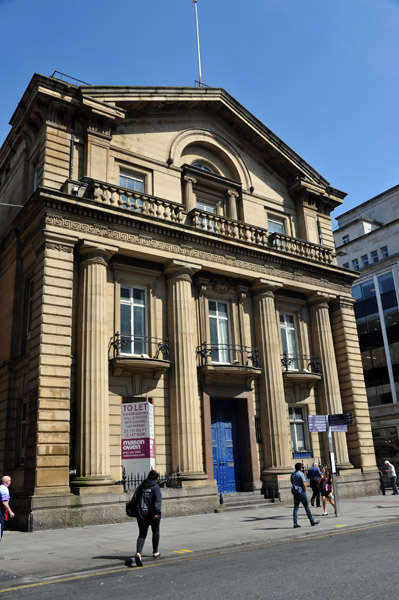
column 394, row 485
column 301, row 498
column 144, row 525
column 314, row 484
column 1, row 524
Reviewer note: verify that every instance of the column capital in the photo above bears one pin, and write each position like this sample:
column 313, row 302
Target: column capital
column 320, row 299
column 179, row 269
column 265, row 287
column 343, row 303
column 189, row 179
column 232, row 193
column 94, row 253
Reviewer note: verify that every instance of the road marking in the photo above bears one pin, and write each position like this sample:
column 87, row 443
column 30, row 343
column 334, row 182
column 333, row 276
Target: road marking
column 339, row 525
column 181, row 551
column 178, row 560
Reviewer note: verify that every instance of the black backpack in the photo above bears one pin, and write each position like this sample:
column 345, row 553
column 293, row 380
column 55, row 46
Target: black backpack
column 132, row 508
column 145, row 501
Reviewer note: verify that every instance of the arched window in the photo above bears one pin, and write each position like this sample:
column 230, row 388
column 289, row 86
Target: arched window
column 203, row 167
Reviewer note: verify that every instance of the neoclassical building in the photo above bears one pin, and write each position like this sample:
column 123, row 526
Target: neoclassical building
column 161, row 246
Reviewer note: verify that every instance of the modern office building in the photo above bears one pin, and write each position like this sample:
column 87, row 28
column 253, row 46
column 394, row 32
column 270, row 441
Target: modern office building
column 164, row 254
column 367, row 240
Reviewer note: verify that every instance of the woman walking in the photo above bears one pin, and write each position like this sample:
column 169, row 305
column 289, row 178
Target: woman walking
column 149, row 505
column 326, row 489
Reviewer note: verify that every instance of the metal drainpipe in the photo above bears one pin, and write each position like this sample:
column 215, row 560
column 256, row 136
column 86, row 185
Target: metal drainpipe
column 71, row 155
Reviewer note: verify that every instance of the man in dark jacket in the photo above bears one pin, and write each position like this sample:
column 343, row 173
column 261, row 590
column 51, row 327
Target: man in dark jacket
column 149, row 504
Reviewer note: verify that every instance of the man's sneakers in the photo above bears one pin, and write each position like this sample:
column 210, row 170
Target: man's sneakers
column 314, row 523
column 296, row 526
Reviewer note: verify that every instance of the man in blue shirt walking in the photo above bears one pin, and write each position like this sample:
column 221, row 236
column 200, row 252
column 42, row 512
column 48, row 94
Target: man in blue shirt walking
column 298, row 488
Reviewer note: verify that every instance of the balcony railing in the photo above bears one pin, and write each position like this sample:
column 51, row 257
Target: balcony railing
column 291, row 245
column 228, row 354
column 173, row 212
column 229, row 227
column 139, row 346
column 144, row 204
column 307, row 363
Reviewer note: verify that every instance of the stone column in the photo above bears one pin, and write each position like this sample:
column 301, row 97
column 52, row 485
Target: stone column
column 186, row 438
column 351, row 378
column 93, row 436
column 276, row 437
column 189, row 196
column 231, row 197
column 323, row 346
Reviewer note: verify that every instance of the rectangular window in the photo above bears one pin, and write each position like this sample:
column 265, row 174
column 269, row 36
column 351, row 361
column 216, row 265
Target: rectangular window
column 220, row 331
column 298, row 430
column 289, row 341
column 204, row 223
column 346, row 265
column 135, row 183
column 384, row 252
column 365, row 260
column 374, row 256
column 275, row 225
column 132, row 181
column 355, row 264
column 133, row 321
column 345, row 239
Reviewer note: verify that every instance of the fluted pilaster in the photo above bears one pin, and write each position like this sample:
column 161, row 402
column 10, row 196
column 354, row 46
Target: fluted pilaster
column 94, row 467
column 324, row 346
column 276, row 438
column 351, row 378
column 185, row 407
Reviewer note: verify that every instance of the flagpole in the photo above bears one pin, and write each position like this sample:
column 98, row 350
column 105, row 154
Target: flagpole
column 198, row 45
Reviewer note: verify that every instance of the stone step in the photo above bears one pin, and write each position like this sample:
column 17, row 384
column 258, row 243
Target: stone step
column 243, row 501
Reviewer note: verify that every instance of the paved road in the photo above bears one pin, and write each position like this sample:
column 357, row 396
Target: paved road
column 350, row 565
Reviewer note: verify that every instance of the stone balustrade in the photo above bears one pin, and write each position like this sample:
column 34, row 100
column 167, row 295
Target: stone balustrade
column 165, row 210
column 229, row 227
column 285, row 243
column 144, row 204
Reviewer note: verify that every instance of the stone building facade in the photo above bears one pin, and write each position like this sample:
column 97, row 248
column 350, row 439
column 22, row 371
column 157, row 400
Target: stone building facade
column 367, row 241
column 161, row 245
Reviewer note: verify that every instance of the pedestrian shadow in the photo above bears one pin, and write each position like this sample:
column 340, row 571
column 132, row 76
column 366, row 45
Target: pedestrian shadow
column 123, row 559
column 274, row 518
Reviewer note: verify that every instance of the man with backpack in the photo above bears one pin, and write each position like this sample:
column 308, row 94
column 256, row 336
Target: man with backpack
column 148, row 498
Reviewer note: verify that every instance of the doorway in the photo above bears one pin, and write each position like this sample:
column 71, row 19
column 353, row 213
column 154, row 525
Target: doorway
column 225, row 445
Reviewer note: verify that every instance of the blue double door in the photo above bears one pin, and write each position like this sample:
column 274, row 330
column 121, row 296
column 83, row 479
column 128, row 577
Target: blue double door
column 225, row 445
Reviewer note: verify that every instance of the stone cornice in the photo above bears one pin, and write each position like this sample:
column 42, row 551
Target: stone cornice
column 75, row 218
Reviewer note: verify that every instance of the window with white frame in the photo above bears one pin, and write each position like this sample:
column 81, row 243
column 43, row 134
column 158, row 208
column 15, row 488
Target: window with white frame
column 365, row 260
column 374, row 256
column 355, row 264
column 384, row 252
column 205, row 223
column 345, row 239
column 220, row 331
column 134, row 182
column 289, row 341
column 275, row 225
column 346, row 265
column 298, row 430
column 133, row 322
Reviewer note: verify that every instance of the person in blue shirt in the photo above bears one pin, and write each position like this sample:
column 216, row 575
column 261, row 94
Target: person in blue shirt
column 298, row 488
column 314, row 475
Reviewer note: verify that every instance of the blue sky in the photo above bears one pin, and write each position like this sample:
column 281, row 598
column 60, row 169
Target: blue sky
column 321, row 74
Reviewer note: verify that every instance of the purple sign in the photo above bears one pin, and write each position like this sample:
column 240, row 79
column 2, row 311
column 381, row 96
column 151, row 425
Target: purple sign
column 317, row 423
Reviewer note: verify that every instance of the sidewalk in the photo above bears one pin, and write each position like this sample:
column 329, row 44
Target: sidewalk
column 31, row 556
